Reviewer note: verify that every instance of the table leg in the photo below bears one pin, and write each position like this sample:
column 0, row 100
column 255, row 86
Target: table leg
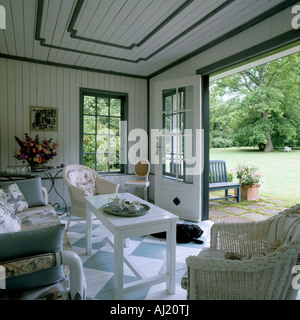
column 119, row 265
column 88, row 221
column 171, row 257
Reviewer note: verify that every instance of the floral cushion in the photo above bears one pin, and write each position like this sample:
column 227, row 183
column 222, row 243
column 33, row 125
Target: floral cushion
column 12, row 197
column 38, row 217
column 8, row 220
column 57, row 291
column 84, row 180
column 18, row 267
column 30, row 219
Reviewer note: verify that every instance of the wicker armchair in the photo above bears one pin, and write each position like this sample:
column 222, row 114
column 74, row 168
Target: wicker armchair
column 254, row 260
column 83, row 181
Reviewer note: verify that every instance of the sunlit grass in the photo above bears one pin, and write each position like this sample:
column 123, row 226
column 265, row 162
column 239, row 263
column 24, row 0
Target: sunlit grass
column 281, row 170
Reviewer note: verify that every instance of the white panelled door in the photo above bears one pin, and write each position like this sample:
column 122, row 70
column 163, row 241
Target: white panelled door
column 177, row 141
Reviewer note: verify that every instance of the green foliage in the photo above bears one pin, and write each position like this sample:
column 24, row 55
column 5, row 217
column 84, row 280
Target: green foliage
column 101, row 140
column 230, row 176
column 258, row 107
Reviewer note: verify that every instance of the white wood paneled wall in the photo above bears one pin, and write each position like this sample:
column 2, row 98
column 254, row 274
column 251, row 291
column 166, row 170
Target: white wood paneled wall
column 25, row 84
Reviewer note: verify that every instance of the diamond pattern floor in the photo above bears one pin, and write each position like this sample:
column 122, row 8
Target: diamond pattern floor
column 146, row 253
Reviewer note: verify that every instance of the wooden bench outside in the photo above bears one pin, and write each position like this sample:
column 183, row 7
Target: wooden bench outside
column 218, row 180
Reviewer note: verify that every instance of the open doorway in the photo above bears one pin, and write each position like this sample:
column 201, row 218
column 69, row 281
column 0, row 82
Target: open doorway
column 255, row 117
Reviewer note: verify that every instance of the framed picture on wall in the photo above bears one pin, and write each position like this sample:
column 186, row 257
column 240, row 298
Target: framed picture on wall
column 43, row 118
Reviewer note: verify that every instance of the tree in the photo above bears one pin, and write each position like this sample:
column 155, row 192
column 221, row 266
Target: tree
column 265, row 100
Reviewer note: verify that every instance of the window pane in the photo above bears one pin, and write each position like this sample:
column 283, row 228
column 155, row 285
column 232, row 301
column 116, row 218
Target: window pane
column 115, row 126
column 181, row 100
column 180, row 167
column 102, row 114
column 114, row 144
column 167, row 166
column 170, row 122
column 103, row 106
column 115, row 107
column 89, row 105
column 89, row 144
column 186, row 98
column 115, row 167
column 167, row 143
column 89, row 124
column 169, row 99
column 102, row 125
column 181, row 122
column 168, row 103
column 102, row 163
column 114, row 162
column 102, row 144
column 89, row 160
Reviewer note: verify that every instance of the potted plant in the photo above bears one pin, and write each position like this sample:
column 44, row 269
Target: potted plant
column 249, row 176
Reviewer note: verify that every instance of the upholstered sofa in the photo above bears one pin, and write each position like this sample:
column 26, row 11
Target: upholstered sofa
column 36, row 262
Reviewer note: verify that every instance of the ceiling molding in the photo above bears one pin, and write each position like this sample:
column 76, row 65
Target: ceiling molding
column 209, row 25
column 62, row 65
column 75, row 15
column 79, row 4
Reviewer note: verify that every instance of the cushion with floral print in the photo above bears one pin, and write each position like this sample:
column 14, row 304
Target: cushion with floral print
column 9, row 222
column 12, row 197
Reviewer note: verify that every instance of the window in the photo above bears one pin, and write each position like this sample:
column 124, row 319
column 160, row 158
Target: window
column 101, row 113
column 177, row 116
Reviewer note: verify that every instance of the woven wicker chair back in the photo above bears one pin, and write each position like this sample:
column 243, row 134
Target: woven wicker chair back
column 142, row 168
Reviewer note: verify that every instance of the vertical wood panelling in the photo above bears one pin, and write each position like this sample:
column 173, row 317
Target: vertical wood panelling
column 3, row 117
column 19, row 109
column 24, row 84
column 11, row 103
column 26, row 97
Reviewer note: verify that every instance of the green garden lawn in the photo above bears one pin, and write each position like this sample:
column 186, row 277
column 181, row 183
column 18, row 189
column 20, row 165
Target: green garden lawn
column 281, row 170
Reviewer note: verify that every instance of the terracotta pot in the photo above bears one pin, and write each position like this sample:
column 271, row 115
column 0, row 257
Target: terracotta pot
column 250, row 193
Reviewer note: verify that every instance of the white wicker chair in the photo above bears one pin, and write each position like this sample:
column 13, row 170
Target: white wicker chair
column 141, row 169
column 83, row 181
column 270, row 251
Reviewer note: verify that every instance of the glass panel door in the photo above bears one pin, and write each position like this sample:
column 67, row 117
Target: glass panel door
column 178, row 145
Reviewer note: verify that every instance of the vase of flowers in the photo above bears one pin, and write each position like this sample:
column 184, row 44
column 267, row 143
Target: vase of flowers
column 35, row 151
column 249, row 176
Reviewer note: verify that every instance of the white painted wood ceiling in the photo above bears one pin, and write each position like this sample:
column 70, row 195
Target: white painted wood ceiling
column 136, row 37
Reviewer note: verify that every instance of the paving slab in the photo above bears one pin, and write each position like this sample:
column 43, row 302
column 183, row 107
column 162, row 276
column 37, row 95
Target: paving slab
column 217, row 213
column 254, row 206
column 267, row 204
column 255, row 216
column 232, row 219
column 271, row 211
column 215, row 204
column 235, row 210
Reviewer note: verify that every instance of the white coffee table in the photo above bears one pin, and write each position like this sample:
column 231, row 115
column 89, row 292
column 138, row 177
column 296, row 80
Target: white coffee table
column 122, row 228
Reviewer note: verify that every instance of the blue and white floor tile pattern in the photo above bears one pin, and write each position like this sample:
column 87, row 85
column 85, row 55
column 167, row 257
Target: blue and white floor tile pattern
column 147, row 253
